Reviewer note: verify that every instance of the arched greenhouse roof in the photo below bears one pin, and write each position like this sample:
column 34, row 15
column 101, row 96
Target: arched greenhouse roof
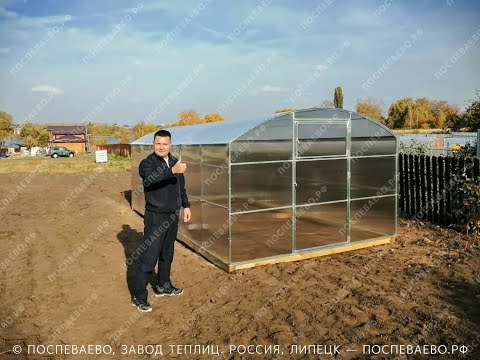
column 225, row 132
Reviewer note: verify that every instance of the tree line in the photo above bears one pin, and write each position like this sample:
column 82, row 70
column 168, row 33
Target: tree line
column 37, row 135
column 405, row 113
column 424, row 113
column 409, row 113
column 184, row 118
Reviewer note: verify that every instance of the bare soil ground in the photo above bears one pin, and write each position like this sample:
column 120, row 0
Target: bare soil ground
column 423, row 289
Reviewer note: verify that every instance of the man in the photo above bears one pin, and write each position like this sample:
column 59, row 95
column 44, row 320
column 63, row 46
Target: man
column 164, row 188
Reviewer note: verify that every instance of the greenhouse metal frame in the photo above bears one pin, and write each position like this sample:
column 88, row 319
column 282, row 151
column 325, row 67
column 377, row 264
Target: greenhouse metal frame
column 299, row 185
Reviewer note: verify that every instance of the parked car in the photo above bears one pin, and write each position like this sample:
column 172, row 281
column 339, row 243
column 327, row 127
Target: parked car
column 3, row 156
column 57, row 151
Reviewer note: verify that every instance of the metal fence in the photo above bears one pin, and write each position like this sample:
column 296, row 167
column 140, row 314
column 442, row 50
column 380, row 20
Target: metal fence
column 427, row 187
column 436, row 144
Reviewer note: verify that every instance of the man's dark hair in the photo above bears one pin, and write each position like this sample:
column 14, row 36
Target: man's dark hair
column 162, row 133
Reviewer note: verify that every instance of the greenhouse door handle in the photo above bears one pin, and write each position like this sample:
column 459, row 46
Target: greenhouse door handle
column 295, row 184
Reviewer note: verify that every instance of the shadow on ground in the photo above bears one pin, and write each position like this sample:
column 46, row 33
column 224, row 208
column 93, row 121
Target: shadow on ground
column 127, row 194
column 131, row 240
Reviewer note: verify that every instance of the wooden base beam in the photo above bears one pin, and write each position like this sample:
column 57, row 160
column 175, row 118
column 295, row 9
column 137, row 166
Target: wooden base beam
column 286, row 258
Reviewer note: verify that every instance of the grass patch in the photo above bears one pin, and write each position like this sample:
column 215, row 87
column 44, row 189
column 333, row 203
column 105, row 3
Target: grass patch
column 78, row 164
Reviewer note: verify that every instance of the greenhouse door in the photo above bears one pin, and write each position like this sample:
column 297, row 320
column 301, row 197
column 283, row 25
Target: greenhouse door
column 320, row 183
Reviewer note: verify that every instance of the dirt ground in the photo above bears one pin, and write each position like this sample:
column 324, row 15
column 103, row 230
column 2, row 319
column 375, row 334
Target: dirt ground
column 64, row 280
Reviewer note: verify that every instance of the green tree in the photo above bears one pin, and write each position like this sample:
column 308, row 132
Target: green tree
column 423, row 114
column 443, row 113
column 338, row 98
column 101, row 130
column 213, row 117
column 370, row 109
column 143, row 128
column 400, row 114
column 188, row 117
column 6, row 124
column 34, row 135
column 472, row 113
column 457, row 123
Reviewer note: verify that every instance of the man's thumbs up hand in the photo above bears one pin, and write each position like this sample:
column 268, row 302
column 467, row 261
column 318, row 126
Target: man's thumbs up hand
column 179, row 167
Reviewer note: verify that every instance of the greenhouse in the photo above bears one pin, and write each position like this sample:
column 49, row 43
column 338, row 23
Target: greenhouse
column 295, row 186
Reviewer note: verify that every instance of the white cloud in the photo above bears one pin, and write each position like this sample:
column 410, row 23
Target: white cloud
column 7, row 13
column 214, row 33
column 321, row 67
column 142, row 64
column 272, row 88
column 180, row 7
column 136, row 50
column 45, row 20
column 360, row 18
column 13, row 20
column 4, row 51
column 48, row 89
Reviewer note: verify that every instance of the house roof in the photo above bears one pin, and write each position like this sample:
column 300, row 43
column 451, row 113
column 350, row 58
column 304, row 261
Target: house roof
column 68, row 130
column 11, row 143
column 68, row 139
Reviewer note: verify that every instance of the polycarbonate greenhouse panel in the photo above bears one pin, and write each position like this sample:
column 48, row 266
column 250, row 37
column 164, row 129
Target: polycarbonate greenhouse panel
column 137, row 185
column 193, row 229
column 322, row 130
column 193, row 179
column 261, row 234
column 222, row 132
column 320, row 225
column 260, row 186
column 377, row 146
column 372, row 218
column 369, row 137
column 321, row 139
column 215, row 155
column 215, row 231
column 322, row 114
column 278, row 128
column 269, row 141
column 215, row 184
column 139, row 152
column 326, row 147
column 244, row 151
column 368, row 129
column 191, row 154
column 321, row 181
column 372, row 176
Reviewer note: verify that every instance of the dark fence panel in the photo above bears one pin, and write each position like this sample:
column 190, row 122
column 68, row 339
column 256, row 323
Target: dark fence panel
column 426, row 185
column 5, row 150
column 117, row 149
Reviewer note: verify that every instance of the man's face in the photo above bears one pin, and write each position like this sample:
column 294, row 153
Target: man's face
column 162, row 145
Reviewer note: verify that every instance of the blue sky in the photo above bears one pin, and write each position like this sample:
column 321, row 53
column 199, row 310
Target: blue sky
column 118, row 61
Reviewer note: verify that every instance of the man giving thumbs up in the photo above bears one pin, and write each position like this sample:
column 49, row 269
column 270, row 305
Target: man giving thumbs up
column 164, row 189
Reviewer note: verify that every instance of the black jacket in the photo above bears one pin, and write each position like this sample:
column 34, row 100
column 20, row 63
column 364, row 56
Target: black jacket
column 164, row 191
